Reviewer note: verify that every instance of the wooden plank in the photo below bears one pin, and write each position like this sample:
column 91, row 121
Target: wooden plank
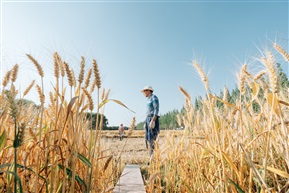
column 130, row 180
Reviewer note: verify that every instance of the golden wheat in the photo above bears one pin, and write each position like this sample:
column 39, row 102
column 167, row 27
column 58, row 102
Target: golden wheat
column 282, row 52
column 69, row 74
column 56, row 65
column 185, row 93
column 41, row 95
column 202, row 75
column 14, row 73
column 269, row 63
column 90, row 101
column 87, row 79
column 26, row 91
column 6, row 78
column 242, row 79
column 96, row 74
column 81, row 73
column 37, row 65
column 260, row 74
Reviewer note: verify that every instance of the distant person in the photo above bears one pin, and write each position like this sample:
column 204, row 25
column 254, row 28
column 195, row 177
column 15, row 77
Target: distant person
column 151, row 126
column 121, row 132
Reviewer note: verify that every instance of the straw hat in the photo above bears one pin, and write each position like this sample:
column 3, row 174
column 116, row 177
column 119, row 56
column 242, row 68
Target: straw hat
column 147, row 88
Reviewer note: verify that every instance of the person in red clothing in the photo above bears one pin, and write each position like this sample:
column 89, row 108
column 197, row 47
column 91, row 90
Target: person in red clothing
column 121, row 132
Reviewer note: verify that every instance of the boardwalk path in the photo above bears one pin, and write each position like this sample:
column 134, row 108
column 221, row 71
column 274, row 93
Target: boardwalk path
column 130, row 180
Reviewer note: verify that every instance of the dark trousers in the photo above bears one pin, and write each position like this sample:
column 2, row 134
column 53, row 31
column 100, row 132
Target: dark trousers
column 151, row 134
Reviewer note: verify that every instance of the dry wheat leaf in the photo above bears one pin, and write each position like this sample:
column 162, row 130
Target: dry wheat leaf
column 273, row 102
column 276, row 171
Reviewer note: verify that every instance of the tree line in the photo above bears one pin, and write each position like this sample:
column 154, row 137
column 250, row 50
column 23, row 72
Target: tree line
column 169, row 120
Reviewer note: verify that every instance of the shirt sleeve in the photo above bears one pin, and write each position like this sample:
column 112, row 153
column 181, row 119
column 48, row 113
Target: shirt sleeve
column 155, row 102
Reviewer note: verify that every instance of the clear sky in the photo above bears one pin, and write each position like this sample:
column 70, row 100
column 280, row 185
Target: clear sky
column 139, row 43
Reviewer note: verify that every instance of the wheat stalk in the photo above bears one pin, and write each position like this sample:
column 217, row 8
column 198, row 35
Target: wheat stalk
column 41, row 95
column 202, row 75
column 273, row 78
column 73, row 77
column 90, row 101
column 106, row 94
column 226, row 92
column 185, row 93
column 21, row 133
column 26, row 91
column 96, row 74
column 56, row 64
column 69, row 74
column 87, row 79
column 107, row 163
column 242, row 79
column 282, row 52
column 259, row 75
column 6, row 78
column 102, row 94
column 38, row 66
column 51, row 98
column 32, row 134
column 249, row 74
column 14, row 73
column 131, row 128
column 92, row 87
column 61, row 66
column 81, row 73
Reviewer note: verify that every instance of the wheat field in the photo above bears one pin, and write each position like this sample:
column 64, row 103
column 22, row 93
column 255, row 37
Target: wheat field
column 230, row 148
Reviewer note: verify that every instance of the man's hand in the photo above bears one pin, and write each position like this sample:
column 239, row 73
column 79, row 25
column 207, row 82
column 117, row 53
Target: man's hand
column 152, row 124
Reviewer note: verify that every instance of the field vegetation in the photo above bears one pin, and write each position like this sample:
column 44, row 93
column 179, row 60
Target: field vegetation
column 234, row 142
column 54, row 147
column 230, row 146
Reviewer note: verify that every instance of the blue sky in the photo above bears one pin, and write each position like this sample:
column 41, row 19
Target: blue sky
column 139, row 43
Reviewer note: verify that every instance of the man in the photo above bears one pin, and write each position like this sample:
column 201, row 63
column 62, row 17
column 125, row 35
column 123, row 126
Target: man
column 152, row 119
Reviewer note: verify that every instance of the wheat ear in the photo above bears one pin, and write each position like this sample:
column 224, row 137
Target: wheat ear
column 56, row 64
column 26, row 91
column 106, row 94
column 90, row 101
column 242, row 79
column 202, row 75
column 273, row 78
column 131, row 128
column 41, row 95
column 37, row 65
column 69, row 74
column 96, row 74
column 81, row 73
column 92, row 86
column 282, row 52
column 259, row 75
column 6, row 78
column 226, row 92
column 185, row 93
column 14, row 73
column 87, row 79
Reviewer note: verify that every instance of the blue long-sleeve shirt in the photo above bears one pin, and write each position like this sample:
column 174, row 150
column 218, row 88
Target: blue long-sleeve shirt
column 152, row 105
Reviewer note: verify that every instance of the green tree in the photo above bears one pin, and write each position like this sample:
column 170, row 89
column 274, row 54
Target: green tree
column 282, row 78
column 93, row 117
column 169, row 120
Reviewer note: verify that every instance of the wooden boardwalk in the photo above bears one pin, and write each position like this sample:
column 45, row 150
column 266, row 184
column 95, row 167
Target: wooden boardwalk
column 130, row 180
